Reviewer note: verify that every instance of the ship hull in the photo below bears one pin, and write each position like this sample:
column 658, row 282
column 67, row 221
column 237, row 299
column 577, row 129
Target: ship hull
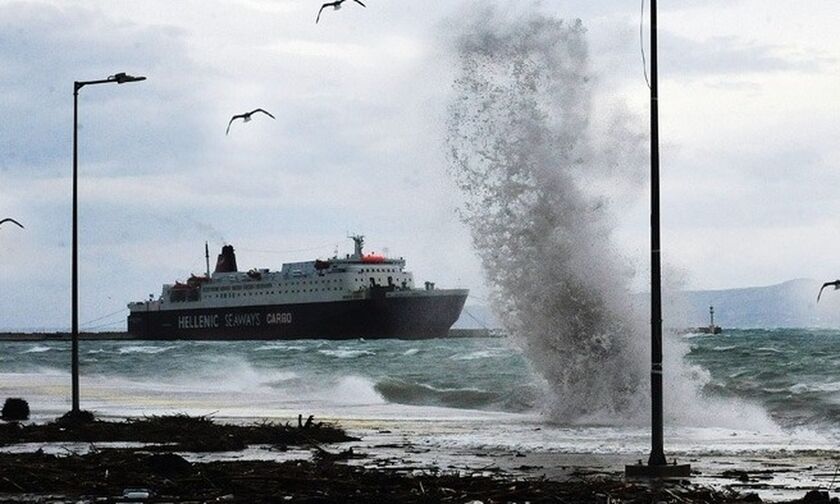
column 381, row 317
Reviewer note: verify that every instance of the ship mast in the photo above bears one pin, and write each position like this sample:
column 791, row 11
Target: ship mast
column 207, row 258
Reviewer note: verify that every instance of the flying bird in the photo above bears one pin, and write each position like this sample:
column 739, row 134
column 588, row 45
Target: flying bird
column 835, row 283
column 7, row 219
column 335, row 5
column 246, row 117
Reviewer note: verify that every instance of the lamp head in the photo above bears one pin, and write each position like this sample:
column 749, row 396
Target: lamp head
column 122, row 78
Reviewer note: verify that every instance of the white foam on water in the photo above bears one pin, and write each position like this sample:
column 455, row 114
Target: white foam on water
column 344, row 353
column 687, row 405
column 280, row 347
column 724, row 348
column 145, row 349
column 801, row 388
column 37, row 349
column 478, row 354
column 351, row 390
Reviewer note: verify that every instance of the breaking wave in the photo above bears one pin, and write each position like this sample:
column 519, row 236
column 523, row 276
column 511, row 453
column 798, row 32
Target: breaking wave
column 543, row 171
column 524, row 151
column 423, row 394
column 343, row 353
column 145, row 349
column 37, row 349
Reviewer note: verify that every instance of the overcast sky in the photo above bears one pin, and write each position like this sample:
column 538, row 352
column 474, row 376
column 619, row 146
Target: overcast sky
column 750, row 123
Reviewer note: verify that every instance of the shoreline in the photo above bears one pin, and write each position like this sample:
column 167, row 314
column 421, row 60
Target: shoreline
column 383, row 448
column 91, row 461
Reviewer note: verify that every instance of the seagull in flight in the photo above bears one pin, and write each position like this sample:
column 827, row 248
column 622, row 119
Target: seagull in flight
column 335, row 5
column 835, row 283
column 246, row 117
column 7, row 219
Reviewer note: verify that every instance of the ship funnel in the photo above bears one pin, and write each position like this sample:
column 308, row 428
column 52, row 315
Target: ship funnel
column 227, row 260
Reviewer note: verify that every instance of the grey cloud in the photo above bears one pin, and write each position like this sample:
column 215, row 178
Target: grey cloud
column 733, row 56
column 43, row 49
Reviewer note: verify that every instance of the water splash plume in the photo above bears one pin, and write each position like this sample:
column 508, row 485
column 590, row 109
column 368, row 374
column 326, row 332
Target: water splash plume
column 540, row 174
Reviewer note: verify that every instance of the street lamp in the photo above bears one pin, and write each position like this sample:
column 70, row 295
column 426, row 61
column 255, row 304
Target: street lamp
column 120, row 78
column 657, row 466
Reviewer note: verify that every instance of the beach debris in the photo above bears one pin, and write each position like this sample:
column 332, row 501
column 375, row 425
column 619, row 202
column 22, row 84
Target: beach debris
column 76, row 418
column 322, row 455
column 818, row 497
column 15, row 409
column 178, row 432
column 317, row 481
column 168, row 464
column 835, row 283
column 136, row 493
column 335, row 5
column 246, row 117
column 736, row 474
column 9, row 219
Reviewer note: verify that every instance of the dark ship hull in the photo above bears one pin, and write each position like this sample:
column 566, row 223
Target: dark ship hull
column 376, row 317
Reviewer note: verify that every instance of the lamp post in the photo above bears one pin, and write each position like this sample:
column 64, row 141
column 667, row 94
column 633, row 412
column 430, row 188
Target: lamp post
column 657, row 466
column 120, row 78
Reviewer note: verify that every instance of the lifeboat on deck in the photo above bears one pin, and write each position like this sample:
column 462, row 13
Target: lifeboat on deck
column 373, row 259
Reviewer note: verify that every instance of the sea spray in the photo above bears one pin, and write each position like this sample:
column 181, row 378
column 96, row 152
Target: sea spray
column 542, row 175
column 523, row 151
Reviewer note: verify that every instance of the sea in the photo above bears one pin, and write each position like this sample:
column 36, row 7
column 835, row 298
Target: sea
column 465, row 397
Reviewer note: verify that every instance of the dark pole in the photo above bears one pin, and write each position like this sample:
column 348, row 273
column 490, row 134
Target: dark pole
column 657, row 466
column 119, row 78
column 657, row 453
column 74, row 327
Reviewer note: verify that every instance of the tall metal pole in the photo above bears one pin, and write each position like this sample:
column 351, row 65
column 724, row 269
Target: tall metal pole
column 119, row 78
column 74, row 331
column 657, row 453
column 657, row 466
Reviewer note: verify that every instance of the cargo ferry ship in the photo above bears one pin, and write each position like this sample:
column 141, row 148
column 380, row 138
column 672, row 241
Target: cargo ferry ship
column 356, row 296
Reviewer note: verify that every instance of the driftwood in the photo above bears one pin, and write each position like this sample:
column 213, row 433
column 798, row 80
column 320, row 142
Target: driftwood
column 114, row 474
column 109, row 473
column 178, row 432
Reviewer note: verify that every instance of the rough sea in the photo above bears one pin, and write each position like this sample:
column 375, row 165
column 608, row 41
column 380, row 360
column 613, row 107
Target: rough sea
column 454, row 392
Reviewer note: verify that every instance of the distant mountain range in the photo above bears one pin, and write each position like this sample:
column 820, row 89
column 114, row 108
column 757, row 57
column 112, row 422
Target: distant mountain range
column 789, row 304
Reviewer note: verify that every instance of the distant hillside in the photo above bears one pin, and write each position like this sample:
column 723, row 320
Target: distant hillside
column 789, row 304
